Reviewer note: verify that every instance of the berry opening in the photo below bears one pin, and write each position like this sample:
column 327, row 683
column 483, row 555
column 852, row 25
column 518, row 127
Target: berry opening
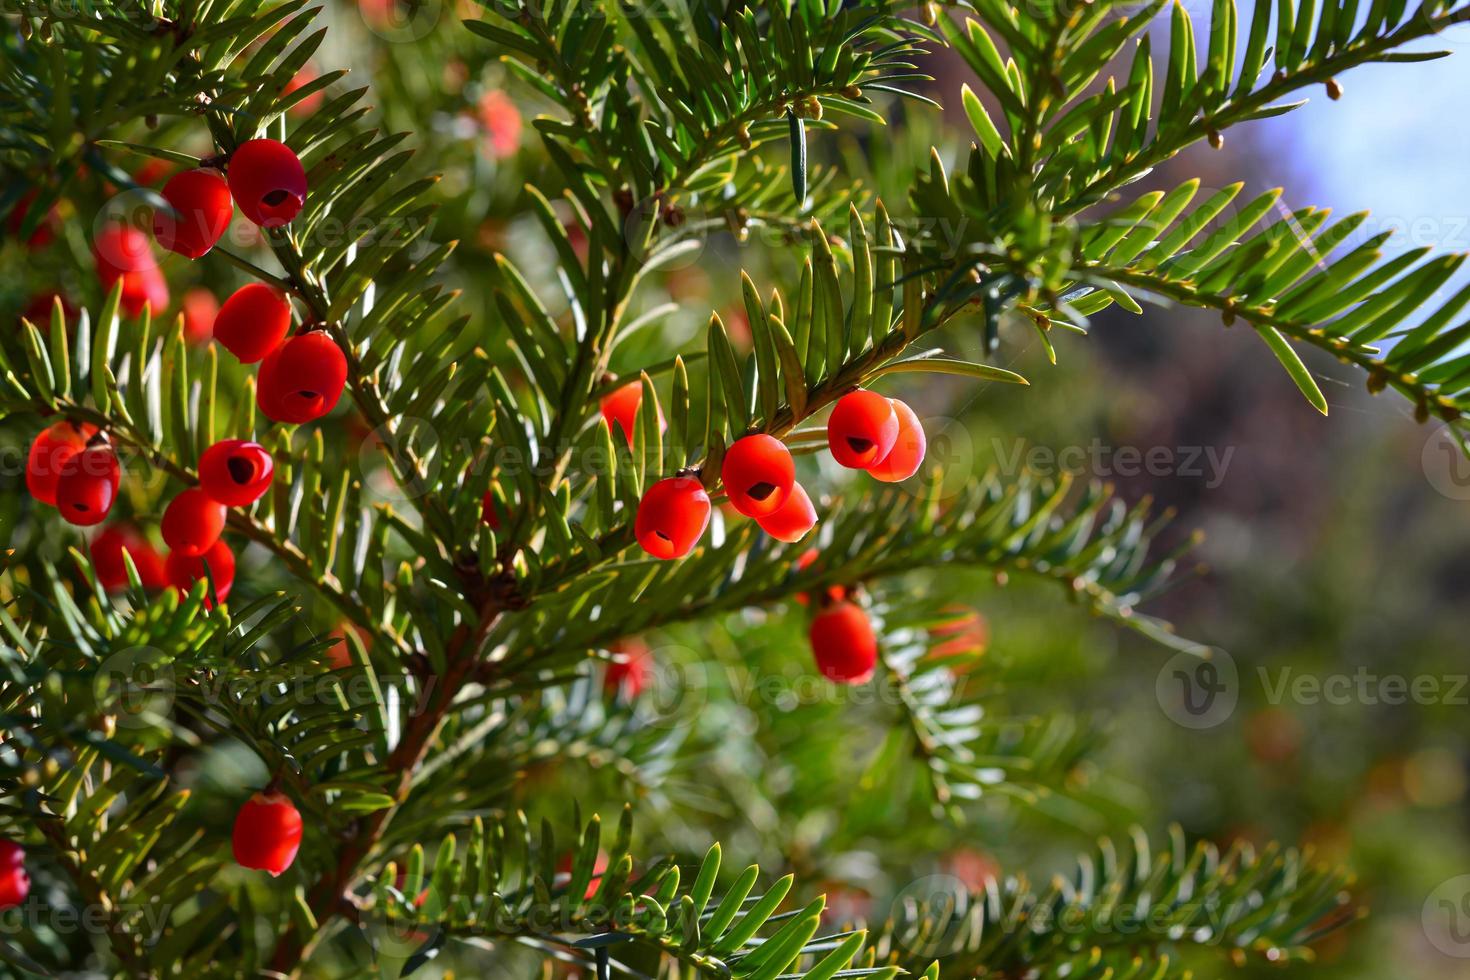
column 761, row 491
column 275, row 198
column 242, row 471
column 860, row 445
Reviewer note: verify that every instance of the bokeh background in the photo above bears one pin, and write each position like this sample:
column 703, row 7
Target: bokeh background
column 1334, row 548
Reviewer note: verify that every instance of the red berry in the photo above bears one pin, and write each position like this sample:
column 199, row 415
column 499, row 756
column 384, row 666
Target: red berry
column 200, row 200
column 904, row 459
column 862, row 429
column 599, row 868
column 184, row 571
column 253, row 321
column 758, row 473
column 302, row 379
column 793, row 520
column 15, row 883
column 52, row 448
column 122, row 253
column 88, row 486
column 672, row 517
column 200, row 309
column 843, row 643
column 620, row 408
column 107, row 559
column 267, row 181
column 236, row 473
column 627, row 672
column 267, row 833
column 488, row 509
column 192, row 522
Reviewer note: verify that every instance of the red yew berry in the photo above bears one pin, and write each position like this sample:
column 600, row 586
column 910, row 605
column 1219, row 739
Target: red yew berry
column 236, row 473
column 843, row 644
column 759, row 474
column 122, row 254
column 50, row 451
column 200, row 212
column 862, row 429
column 620, row 408
column 192, row 522
column 501, row 121
column 88, row 485
column 267, row 833
column 489, row 510
column 793, row 520
column 184, row 571
column 627, row 672
column 672, row 517
column 107, row 559
column 302, row 379
column 599, row 868
column 305, row 75
column 267, row 181
column 253, row 321
column 904, row 459
column 200, row 309
column 15, row 883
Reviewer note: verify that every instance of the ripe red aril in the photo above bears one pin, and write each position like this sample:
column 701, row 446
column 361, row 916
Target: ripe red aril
column 862, row 429
column 15, row 882
column 794, row 518
column 267, row 181
column 107, row 559
column 620, row 409
column 201, row 211
column 192, row 522
column 672, row 517
column 628, row 670
column 267, row 833
column 253, row 321
column 302, row 379
column 843, row 644
column 758, row 473
column 200, row 308
column 122, row 254
column 184, row 571
column 907, row 454
column 49, row 452
column 88, row 485
column 236, row 473
column 489, row 510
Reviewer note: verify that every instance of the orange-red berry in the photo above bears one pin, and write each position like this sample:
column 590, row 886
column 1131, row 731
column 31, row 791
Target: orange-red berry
column 489, row 511
column 201, row 211
column 758, row 473
column 184, row 571
column 794, row 518
column 862, row 429
column 620, row 409
column 15, row 883
column 267, row 182
column 49, row 452
column 907, row 454
column 88, row 484
column 192, row 522
column 253, row 321
column 267, row 833
column 122, row 254
column 302, row 379
column 627, row 673
column 236, row 473
column 107, row 559
column 200, row 309
column 672, row 517
column 843, row 644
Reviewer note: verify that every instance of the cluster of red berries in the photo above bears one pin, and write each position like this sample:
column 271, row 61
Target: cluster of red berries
column 72, row 467
column 15, row 883
column 301, row 377
column 866, row 431
column 267, row 833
